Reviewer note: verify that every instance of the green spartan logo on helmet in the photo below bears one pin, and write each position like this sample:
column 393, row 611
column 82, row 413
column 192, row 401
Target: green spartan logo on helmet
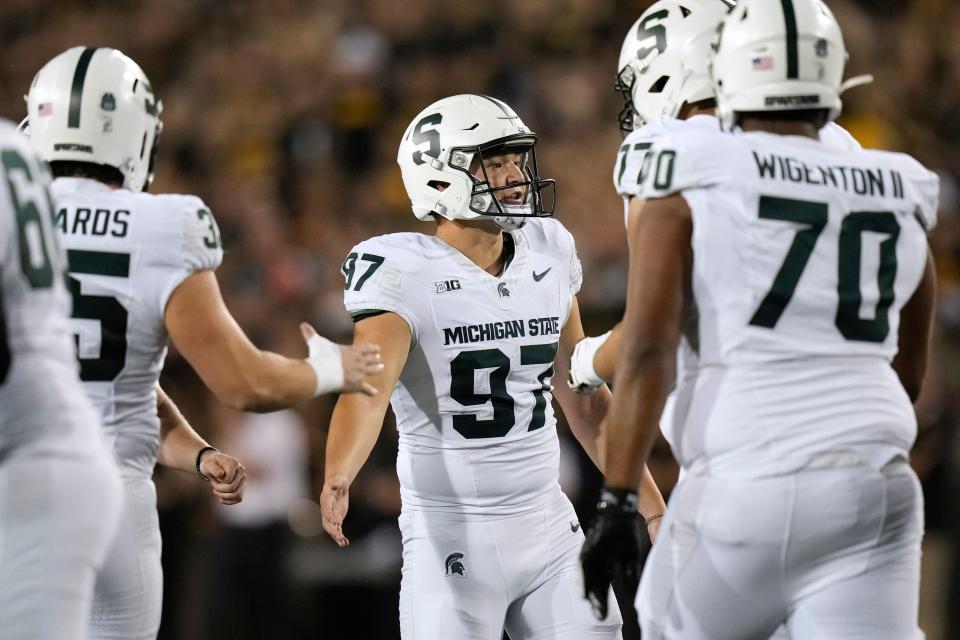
column 455, row 565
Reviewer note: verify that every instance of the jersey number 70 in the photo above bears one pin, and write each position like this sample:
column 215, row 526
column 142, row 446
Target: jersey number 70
column 814, row 216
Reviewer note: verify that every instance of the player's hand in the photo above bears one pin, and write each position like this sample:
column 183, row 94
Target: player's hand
column 227, row 476
column 334, row 503
column 583, row 377
column 611, row 549
column 360, row 361
column 355, row 363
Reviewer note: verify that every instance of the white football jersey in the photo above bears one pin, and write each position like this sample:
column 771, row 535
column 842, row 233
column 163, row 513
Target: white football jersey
column 626, row 181
column 633, row 150
column 473, row 403
column 42, row 405
column 803, row 257
column 127, row 253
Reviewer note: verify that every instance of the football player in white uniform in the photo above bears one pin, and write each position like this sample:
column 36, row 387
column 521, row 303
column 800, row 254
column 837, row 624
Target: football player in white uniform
column 664, row 80
column 142, row 272
column 666, row 88
column 59, row 487
column 471, row 322
column 810, row 269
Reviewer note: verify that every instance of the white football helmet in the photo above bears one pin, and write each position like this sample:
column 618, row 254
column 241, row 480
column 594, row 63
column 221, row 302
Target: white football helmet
column 96, row 105
column 440, row 147
column 663, row 61
column 779, row 56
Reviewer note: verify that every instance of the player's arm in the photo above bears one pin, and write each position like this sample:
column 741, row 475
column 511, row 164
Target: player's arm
column 182, row 448
column 594, row 359
column 660, row 264
column 916, row 328
column 357, row 419
column 605, row 359
column 245, row 377
column 585, row 414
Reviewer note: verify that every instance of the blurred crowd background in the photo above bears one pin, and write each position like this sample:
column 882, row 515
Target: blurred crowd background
column 285, row 116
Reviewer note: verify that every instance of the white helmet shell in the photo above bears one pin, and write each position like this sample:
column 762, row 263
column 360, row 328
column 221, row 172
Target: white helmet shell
column 663, row 60
column 438, row 150
column 95, row 105
column 778, row 56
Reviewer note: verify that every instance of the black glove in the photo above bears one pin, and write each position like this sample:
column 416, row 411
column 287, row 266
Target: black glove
column 612, row 548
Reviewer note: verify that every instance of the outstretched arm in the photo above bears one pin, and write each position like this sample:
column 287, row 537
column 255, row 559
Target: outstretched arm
column 595, row 359
column 182, row 448
column 245, row 377
column 660, row 265
column 585, row 415
column 657, row 295
column 357, row 419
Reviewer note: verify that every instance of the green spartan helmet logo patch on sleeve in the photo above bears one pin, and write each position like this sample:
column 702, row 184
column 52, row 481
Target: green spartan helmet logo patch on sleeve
column 455, row 565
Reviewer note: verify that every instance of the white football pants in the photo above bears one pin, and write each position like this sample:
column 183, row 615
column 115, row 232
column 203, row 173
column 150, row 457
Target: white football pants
column 832, row 552
column 57, row 519
column 471, row 577
column 129, row 589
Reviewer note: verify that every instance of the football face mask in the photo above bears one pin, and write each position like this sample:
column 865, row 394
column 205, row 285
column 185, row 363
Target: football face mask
column 506, row 180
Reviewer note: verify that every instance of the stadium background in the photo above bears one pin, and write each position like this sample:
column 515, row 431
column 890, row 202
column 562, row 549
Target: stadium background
column 284, row 115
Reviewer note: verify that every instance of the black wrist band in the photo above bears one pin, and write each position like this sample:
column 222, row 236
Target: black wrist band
column 199, row 456
column 623, row 500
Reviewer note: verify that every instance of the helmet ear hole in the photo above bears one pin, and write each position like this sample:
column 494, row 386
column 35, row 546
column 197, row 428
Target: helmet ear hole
column 439, row 185
column 659, row 85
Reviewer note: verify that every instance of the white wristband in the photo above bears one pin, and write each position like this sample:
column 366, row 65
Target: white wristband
column 583, row 376
column 327, row 363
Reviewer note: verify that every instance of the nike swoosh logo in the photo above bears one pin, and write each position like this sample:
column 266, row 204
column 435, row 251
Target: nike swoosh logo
column 537, row 277
column 574, row 526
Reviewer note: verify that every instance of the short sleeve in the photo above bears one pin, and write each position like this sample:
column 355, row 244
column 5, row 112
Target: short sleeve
column 193, row 244
column 923, row 186
column 835, row 136
column 626, row 169
column 679, row 162
column 576, row 269
column 374, row 283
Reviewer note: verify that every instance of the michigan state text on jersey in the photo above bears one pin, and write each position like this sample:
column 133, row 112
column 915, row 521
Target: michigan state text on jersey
column 473, row 322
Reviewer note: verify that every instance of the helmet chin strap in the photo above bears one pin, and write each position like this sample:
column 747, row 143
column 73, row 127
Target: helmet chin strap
column 509, row 223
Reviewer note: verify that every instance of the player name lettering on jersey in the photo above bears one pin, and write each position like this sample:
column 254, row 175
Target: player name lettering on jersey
column 94, row 222
column 500, row 330
column 859, row 180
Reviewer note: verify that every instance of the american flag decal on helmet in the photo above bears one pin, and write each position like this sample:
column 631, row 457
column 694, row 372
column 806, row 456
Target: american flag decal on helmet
column 762, row 63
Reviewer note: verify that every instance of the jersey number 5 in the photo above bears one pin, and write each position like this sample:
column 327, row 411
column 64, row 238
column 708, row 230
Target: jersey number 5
column 814, row 216
column 106, row 310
